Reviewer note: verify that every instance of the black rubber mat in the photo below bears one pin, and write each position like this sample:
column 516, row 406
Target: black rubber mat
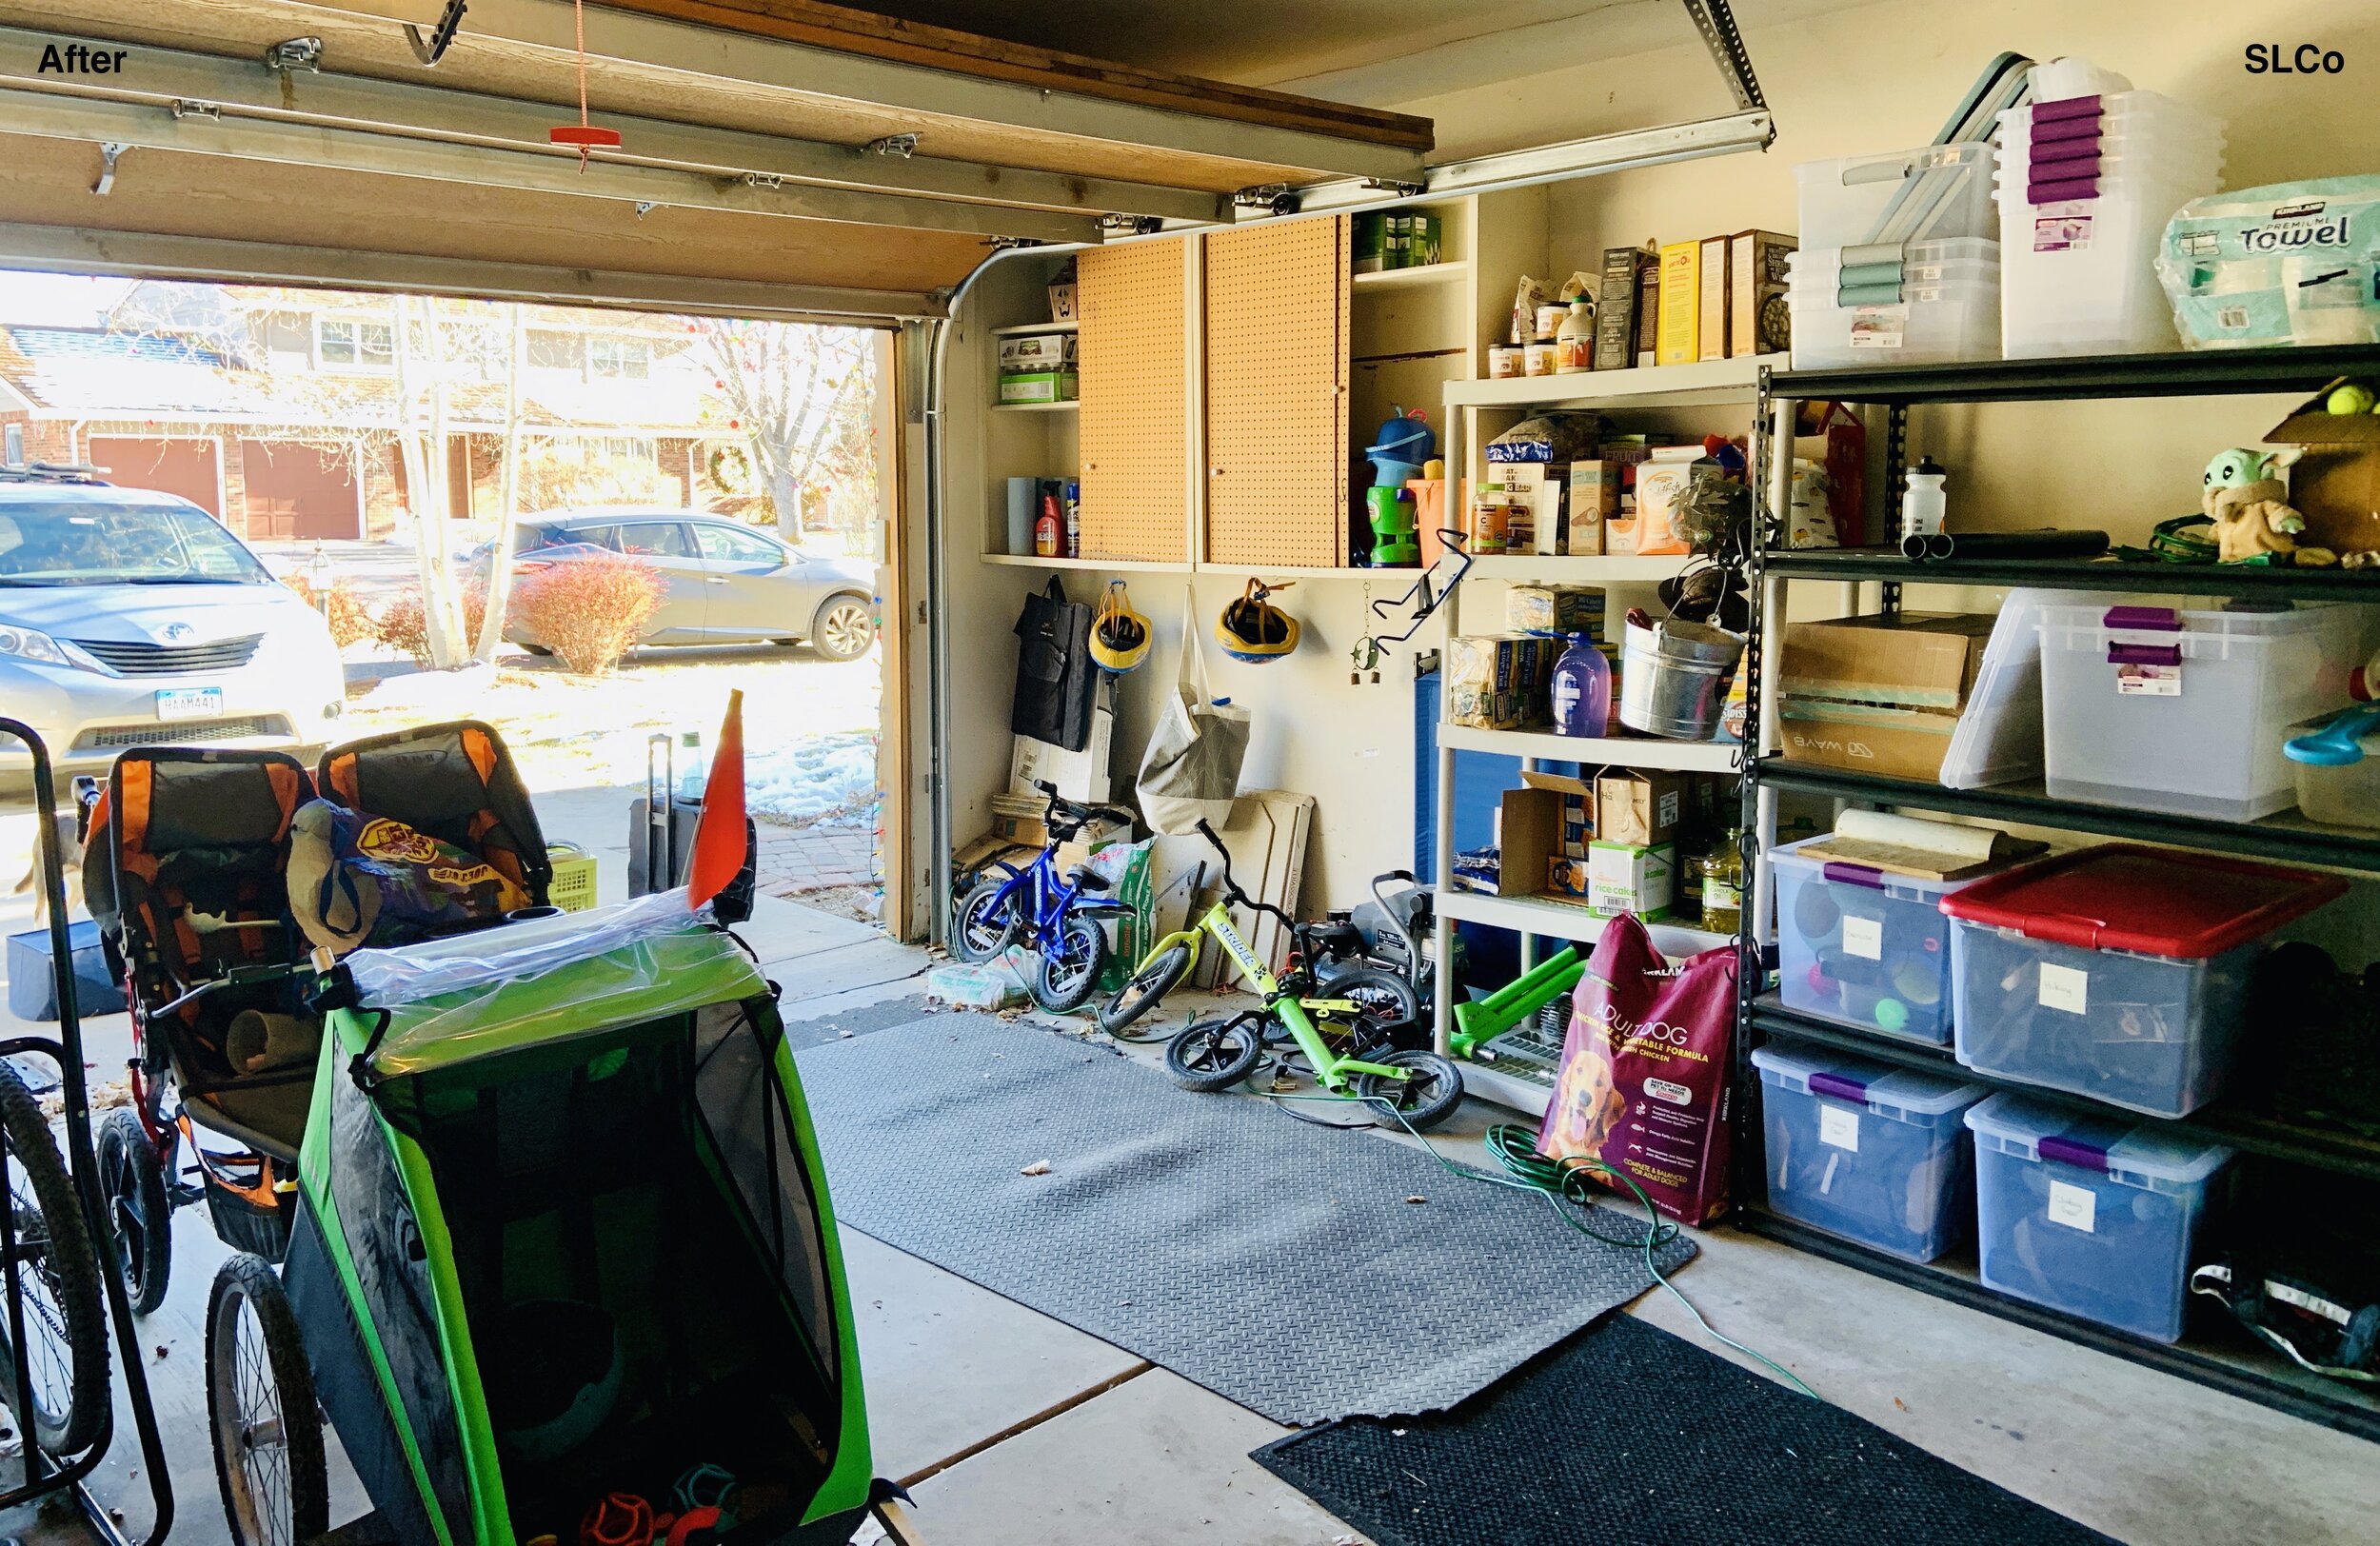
column 881, row 1015
column 1626, row 1436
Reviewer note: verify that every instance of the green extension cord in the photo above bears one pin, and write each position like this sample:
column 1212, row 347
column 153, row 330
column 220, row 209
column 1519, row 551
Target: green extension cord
column 1515, row 1149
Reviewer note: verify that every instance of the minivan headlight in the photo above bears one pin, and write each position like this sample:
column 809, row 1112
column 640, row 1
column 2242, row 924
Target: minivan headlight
column 25, row 645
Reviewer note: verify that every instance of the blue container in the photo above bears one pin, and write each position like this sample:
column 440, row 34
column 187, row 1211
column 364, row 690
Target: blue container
column 1877, row 1153
column 34, row 991
column 1858, row 945
column 2090, row 1216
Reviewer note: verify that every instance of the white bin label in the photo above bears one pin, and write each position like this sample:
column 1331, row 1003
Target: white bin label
column 2076, row 1207
column 2136, row 681
column 1839, row 1126
column 1864, row 937
column 2065, row 987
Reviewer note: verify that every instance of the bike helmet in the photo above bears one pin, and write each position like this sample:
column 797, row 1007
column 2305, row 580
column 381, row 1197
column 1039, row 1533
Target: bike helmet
column 1120, row 636
column 1253, row 629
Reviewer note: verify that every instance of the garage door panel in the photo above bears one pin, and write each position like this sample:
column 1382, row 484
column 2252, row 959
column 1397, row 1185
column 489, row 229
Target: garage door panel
column 191, row 468
column 298, row 492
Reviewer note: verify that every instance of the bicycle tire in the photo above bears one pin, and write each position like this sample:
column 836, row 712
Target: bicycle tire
column 963, row 946
column 1145, row 989
column 1082, row 944
column 249, row 1278
column 65, row 1275
column 1426, row 1099
column 1210, row 1056
column 140, row 1214
column 1384, row 999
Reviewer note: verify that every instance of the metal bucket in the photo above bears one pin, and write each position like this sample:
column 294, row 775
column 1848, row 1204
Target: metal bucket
column 1674, row 676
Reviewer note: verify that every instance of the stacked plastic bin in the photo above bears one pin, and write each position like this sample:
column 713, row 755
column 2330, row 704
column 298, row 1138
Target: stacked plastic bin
column 2086, row 184
column 1896, row 264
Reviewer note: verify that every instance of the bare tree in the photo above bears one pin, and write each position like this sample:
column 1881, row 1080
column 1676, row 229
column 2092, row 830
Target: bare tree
column 798, row 396
column 491, row 628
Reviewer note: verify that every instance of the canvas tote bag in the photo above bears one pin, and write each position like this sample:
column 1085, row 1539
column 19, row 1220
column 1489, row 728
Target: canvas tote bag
column 1191, row 770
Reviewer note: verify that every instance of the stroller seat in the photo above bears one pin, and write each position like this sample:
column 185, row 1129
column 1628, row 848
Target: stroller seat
column 454, row 782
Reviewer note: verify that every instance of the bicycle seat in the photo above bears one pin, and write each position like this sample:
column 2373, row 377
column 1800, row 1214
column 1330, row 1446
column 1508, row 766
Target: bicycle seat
column 1081, row 876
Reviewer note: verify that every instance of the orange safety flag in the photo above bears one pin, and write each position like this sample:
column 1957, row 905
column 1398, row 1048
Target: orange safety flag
column 718, row 836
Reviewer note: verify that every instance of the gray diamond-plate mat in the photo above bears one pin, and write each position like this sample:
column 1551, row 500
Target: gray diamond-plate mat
column 1275, row 1263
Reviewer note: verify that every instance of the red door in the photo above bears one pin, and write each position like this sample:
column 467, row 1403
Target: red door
column 188, row 467
column 298, row 491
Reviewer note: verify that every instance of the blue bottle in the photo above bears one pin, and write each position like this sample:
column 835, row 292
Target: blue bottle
column 1582, row 689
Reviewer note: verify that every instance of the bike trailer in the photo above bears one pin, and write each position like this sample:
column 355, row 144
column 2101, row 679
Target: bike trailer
column 455, row 782
column 563, row 1235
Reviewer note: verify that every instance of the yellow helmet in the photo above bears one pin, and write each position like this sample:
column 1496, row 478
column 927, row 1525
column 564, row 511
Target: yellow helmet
column 1253, row 629
column 1120, row 636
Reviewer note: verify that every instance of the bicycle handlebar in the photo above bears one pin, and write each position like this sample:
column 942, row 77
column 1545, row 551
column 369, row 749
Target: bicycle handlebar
column 1074, row 815
column 1232, row 890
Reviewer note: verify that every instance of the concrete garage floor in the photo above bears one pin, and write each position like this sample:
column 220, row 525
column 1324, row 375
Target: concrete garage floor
column 1012, row 1428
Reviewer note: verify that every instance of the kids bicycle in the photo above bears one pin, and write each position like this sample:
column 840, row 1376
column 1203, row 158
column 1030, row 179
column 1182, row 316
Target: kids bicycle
column 1207, row 1055
column 1046, row 913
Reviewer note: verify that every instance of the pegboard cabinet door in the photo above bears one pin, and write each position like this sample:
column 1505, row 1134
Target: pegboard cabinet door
column 1277, row 448
column 1132, row 354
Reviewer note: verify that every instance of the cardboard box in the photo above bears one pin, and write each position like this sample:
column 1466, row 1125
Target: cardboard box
column 1564, row 609
column 1367, row 241
column 1649, row 313
column 1497, row 681
column 1567, row 878
column 1575, row 816
column 1759, row 319
column 1878, row 694
column 1079, row 775
column 1537, row 489
column 1679, row 342
column 1631, row 878
column 1615, row 308
column 1040, row 387
column 1710, row 300
column 2336, row 484
column 1640, row 805
column 1541, row 835
column 1421, row 243
column 1024, row 354
column 1593, row 503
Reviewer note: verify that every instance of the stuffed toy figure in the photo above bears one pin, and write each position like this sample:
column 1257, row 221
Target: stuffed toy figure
column 2245, row 498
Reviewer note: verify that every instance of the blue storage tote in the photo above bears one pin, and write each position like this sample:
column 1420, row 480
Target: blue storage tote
column 1862, row 948
column 2091, row 1215
column 33, row 991
column 1864, row 1150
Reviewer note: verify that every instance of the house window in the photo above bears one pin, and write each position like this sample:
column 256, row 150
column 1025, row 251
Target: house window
column 619, row 359
column 346, row 343
column 624, row 448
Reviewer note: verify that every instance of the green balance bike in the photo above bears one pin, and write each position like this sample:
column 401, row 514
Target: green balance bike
column 1348, row 1031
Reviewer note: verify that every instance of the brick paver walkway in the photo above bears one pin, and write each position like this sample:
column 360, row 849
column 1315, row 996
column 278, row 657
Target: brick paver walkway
column 817, row 857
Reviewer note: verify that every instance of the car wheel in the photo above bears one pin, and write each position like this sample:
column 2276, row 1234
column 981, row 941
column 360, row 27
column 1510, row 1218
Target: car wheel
column 543, row 652
column 845, row 627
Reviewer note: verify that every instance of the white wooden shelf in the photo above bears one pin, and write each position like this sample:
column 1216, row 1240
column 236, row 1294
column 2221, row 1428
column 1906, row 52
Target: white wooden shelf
column 1603, row 751
column 1448, row 272
column 1553, row 568
column 1510, row 1090
column 1667, row 386
column 1021, row 328
column 1134, row 565
column 1553, row 920
column 1067, row 406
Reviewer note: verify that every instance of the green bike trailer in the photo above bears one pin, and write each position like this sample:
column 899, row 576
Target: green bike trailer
column 561, row 1248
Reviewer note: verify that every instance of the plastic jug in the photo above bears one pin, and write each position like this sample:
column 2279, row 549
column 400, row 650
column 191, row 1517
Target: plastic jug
column 1582, row 689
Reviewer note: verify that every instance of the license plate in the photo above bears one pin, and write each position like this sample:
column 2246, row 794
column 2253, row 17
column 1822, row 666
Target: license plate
column 190, row 703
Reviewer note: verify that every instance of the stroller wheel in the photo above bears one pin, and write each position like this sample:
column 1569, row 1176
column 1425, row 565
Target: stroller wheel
column 140, row 1218
column 66, row 1338
column 260, row 1411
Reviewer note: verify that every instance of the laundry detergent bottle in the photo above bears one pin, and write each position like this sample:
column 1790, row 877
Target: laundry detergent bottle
column 1582, row 689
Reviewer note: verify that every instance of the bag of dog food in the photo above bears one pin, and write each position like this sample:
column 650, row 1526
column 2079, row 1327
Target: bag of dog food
column 1645, row 1079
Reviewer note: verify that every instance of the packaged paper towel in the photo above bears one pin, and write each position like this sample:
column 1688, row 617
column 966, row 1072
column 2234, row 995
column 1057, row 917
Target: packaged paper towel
column 2290, row 263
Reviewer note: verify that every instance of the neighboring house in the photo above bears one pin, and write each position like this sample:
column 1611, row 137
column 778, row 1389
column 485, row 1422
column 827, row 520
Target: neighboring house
column 272, row 409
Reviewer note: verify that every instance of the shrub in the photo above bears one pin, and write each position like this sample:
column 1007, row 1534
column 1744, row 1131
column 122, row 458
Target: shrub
column 402, row 626
column 350, row 621
column 589, row 612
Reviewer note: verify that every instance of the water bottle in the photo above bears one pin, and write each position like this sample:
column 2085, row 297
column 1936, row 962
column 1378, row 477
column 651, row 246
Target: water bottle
column 1582, row 689
column 693, row 772
column 1923, row 504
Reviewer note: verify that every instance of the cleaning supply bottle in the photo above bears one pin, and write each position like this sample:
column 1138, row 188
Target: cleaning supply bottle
column 1574, row 341
column 1582, row 689
column 1922, row 506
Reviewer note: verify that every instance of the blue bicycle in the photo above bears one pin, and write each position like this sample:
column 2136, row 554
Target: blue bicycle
column 1056, row 917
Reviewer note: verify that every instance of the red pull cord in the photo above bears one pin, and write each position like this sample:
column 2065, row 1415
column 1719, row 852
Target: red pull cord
column 582, row 134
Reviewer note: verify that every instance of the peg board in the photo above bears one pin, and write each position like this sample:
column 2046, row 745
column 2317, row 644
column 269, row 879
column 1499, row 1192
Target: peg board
column 1135, row 470
column 1277, row 448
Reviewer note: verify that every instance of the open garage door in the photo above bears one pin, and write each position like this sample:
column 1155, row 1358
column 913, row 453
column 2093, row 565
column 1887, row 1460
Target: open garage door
column 191, row 469
column 299, row 492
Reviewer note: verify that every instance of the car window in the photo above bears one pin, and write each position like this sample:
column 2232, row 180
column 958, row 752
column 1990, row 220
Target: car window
column 652, row 539
column 529, row 539
column 82, row 542
column 733, row 546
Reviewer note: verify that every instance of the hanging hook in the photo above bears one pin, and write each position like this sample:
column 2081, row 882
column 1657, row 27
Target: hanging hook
column 440, row 36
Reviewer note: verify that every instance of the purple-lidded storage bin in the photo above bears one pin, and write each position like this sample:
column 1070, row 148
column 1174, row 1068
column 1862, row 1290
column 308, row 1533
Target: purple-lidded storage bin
column 1866, row 1151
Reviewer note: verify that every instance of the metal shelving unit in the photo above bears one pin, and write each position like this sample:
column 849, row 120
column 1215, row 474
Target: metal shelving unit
column 2232, row 1364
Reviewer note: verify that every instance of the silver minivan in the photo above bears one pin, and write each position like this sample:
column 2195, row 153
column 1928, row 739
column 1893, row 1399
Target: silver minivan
column 135, row 618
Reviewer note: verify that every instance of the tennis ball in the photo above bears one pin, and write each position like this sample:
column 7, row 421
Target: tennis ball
column 1892, row 1014
column 2350, row 398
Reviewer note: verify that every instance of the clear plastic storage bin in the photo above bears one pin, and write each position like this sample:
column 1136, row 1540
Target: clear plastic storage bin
column 2091, row 1217
column 2119, row 973
column 1862, row 948
column 1930, row 325
column 1863, row 1150
column 2345, row 794
column 1925, row 194
column 2183, row 711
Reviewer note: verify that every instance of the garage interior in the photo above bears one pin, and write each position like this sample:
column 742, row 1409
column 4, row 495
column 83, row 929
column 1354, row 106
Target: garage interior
column 1196, row 180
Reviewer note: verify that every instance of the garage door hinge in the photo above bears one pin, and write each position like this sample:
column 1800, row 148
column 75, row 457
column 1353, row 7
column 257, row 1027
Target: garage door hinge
column 295, row 53
column 109, row 153
column 903, row 146
column 187, row 108
column 767, row 180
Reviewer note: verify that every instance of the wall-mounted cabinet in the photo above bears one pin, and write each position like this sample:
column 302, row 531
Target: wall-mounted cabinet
column 1275, row 351
column 1134, row 352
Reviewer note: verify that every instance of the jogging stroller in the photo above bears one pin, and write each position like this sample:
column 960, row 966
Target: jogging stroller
column 186, row 870
column 563, row 1261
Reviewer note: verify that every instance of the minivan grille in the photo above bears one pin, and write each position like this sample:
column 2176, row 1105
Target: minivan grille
column 171, row 659
column 117, row 737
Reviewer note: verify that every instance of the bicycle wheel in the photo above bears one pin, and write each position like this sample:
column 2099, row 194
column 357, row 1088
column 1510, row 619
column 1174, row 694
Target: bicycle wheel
column 140, row 1218
column 1426, row 1098
column 1385, row 1002
column 260, row 1411
column 1146, row 988
column 66, row 1338
column 983, row 926
column 1212, row 1055
column 1071, row 966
